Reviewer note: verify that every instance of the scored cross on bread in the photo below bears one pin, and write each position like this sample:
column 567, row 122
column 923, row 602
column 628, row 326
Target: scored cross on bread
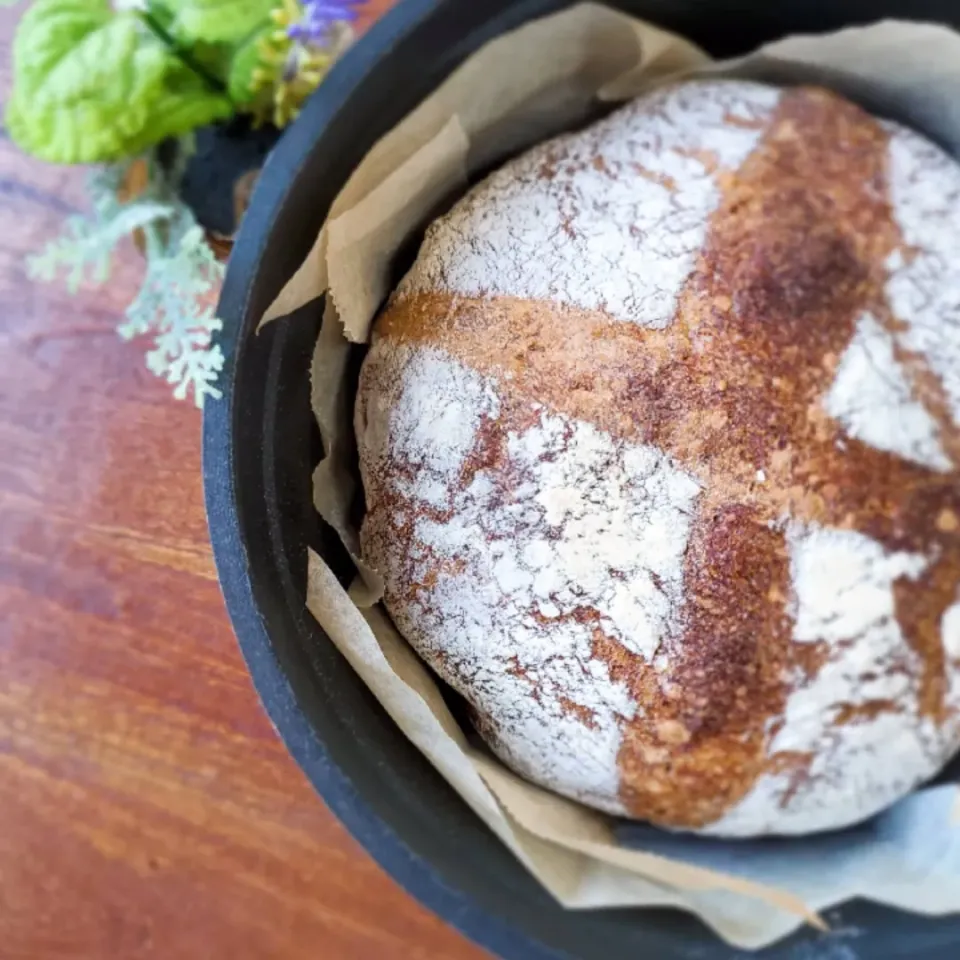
column 659, row 441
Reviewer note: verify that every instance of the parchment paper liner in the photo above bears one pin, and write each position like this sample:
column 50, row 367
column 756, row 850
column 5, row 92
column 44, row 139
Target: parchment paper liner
column 545, row 77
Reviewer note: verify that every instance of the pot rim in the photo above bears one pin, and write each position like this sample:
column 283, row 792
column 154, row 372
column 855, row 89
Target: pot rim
column 495, row 903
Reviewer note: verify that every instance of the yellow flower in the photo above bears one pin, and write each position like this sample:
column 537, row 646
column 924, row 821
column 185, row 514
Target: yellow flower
column 289, row 71
column 288, row 14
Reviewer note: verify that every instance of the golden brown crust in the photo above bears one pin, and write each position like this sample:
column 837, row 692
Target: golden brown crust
column 733, row 391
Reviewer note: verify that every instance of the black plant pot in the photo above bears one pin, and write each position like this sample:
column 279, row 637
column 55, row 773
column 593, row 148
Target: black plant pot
column 224, row 155
column 260, row 447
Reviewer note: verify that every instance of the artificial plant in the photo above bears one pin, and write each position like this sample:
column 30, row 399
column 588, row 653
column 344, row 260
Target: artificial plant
column 112, row 84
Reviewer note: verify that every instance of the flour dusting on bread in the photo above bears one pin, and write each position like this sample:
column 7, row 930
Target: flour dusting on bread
column 553, row 531
column 611, row 218
column 659, row 441
column 923, row 286
column 874, row 400
column 868, row 686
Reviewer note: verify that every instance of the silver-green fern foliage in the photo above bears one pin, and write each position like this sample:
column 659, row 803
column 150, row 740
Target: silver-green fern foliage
column 182, row 273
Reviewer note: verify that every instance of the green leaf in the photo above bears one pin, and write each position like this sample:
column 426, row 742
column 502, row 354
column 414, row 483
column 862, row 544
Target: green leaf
column 245, row 61
column 92, row 85
column 227, row 21
column 48, row 31
column 82, row 84
column 158, row 12
column 183, row 103
column 214, row 58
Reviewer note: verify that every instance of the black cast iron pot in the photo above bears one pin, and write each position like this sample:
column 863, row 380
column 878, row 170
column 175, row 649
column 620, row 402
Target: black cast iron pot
column 260, row 446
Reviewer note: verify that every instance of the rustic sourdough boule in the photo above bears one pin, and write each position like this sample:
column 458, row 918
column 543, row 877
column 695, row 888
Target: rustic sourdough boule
column 659, row 441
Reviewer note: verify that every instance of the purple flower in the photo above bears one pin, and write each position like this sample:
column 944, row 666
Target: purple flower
column 318, row 17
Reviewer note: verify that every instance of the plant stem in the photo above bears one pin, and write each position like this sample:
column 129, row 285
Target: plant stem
column 182, row 53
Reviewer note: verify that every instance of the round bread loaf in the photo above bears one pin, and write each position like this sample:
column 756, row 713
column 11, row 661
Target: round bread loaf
column 659, row 441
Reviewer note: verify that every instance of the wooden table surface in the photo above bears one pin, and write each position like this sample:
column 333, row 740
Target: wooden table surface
column 147, row 808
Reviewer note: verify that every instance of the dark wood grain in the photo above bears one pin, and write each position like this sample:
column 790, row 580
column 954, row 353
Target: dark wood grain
column 147, row 808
